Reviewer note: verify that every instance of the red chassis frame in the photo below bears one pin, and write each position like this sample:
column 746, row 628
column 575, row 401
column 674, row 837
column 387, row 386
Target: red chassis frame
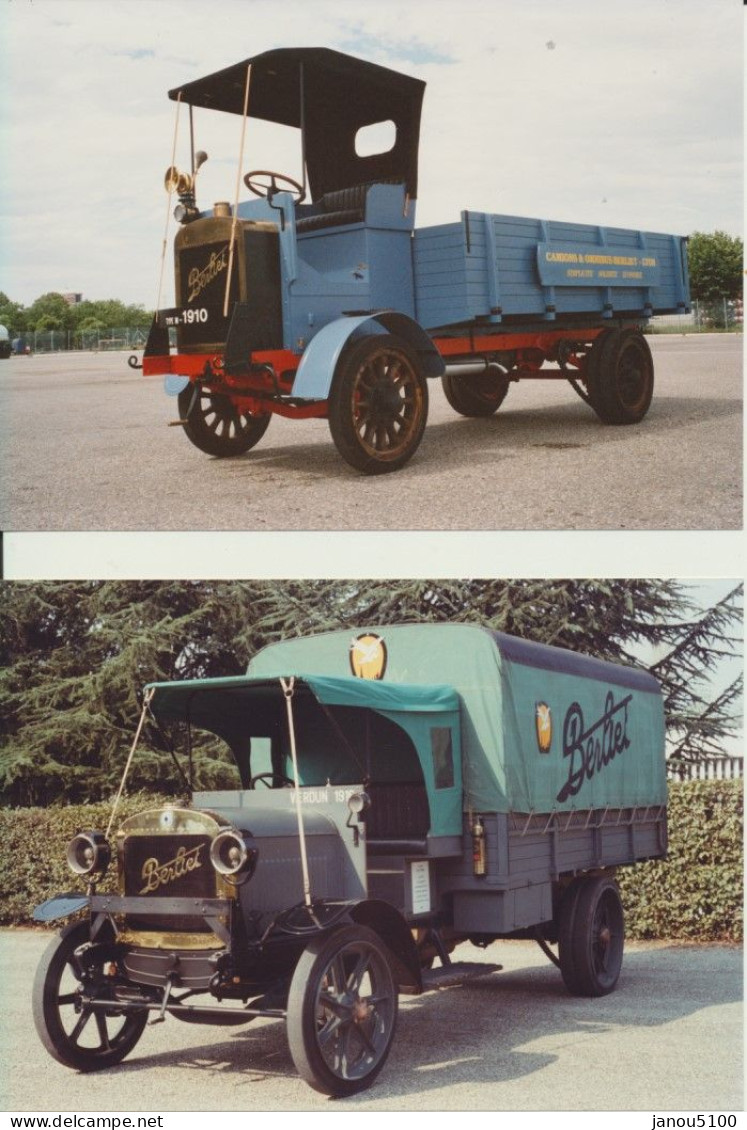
column 275, row 369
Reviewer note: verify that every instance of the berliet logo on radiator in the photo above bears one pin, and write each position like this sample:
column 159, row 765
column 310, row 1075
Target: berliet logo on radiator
column 200, row 277
column 591, row 750
column 159, row 874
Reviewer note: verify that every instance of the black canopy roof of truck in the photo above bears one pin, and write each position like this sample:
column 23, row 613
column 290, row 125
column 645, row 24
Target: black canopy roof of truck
column 333, row 95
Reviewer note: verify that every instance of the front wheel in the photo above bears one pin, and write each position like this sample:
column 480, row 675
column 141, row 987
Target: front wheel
column 71, row 1031
column 378, row 404
column 342, row 1011
column 214, row 424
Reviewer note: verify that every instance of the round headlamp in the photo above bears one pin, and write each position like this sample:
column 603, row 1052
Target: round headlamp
column 88, row 853
column 358, row 803
column 184, row 213
column 232, row 855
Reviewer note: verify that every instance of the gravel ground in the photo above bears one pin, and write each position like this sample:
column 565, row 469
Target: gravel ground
column 668, row 1039
column 85, row 446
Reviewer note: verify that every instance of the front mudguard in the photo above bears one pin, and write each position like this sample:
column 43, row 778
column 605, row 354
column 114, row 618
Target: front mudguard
column 60, row 906
column 393, row 930
column 319, row 362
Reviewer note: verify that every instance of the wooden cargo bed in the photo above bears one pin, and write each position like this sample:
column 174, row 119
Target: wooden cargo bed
column 507, row 271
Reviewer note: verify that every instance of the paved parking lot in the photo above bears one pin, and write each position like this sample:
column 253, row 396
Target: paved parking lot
column 85, row 446
column 668, row 1039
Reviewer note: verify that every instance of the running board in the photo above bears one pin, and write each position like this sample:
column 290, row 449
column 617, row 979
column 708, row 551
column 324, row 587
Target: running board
column 456, row 973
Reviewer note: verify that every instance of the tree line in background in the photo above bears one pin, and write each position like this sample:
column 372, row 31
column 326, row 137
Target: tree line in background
column 75, row 655
column 714, row 260
column 53, row 312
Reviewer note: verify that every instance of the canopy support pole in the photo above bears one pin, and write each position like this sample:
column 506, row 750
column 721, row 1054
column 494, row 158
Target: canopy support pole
column 288, row 690
column 168, row 204
column 236, row 195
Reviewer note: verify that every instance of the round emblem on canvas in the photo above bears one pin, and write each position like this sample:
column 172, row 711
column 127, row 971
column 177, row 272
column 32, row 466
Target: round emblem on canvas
column 543, row 720
column 368, row 656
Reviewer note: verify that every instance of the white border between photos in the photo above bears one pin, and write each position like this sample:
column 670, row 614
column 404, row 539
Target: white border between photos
column 211, row 556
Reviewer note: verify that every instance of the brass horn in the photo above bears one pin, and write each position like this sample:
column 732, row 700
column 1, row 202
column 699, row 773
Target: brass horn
column 174, row 181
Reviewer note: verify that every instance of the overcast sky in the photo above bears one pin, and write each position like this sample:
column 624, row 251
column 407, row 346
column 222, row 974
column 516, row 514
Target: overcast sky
column 620, row 114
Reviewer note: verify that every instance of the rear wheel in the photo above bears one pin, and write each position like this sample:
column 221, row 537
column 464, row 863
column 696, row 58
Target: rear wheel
column 342, row 1011
column 478, row 395
column 620, row 374
column 378, row 404
column 71, row 1031
column 214, row 424
column 591, row 937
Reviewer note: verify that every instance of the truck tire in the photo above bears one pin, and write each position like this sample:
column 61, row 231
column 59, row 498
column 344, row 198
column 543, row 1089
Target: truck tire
column 378, row 404
column 82, row 1039
column 620, row 375
column 591, row 937
column 481, row 395
column 590, row 375
column 342, row 1011
column 214, row 424
column 566, row 917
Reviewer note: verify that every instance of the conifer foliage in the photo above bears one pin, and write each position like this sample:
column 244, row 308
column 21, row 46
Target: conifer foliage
column 74, row 657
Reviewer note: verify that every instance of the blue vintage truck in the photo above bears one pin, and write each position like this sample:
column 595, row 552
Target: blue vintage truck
column 398, row 790
column 321, row 299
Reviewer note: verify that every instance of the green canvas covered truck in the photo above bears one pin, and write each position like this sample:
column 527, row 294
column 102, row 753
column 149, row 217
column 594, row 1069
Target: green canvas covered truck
column 399, row 790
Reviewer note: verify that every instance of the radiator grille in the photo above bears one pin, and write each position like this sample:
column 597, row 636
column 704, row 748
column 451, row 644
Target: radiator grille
column 163, row 867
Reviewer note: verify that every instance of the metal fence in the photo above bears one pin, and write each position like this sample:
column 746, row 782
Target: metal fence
column 706, row 317
column 711, row 769
column 721, row 315
column 59, row 341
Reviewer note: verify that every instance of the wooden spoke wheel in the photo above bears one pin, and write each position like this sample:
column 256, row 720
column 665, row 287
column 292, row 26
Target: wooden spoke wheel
column 342, row 1011
column 378, row 404
column 72, row 1031
column 214, row 424
column 591, row 937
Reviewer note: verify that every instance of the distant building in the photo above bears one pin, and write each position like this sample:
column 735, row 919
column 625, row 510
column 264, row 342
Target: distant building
column 72, row 298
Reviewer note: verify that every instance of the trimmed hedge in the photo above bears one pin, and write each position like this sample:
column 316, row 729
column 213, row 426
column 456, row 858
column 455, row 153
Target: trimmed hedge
column 33, row 863
column 696, row 894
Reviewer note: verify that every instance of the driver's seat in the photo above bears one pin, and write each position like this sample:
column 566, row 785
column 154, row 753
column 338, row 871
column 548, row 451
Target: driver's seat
column 346, row 206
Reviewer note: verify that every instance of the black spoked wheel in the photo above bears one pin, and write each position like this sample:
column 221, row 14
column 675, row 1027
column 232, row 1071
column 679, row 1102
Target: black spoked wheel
column 342, row 1011
column 591, row 937
column 214, row 424
column 72, row 1032
column 378, row 405
column 478, row 395
column 621, row 377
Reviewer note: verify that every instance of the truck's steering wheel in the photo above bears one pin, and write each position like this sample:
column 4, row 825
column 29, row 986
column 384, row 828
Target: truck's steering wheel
column 261, row 188
column 270, row 778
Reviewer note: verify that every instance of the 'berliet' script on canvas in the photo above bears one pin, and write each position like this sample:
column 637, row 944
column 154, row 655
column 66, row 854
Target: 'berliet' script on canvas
column 591, row 750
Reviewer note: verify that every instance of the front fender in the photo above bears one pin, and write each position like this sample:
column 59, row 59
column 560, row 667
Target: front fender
column 60, row 906
column 391, row 927
column 319, row 362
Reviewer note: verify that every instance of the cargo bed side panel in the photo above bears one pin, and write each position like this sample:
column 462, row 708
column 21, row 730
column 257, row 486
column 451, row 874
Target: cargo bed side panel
column 527, row 853
column 508, row 270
